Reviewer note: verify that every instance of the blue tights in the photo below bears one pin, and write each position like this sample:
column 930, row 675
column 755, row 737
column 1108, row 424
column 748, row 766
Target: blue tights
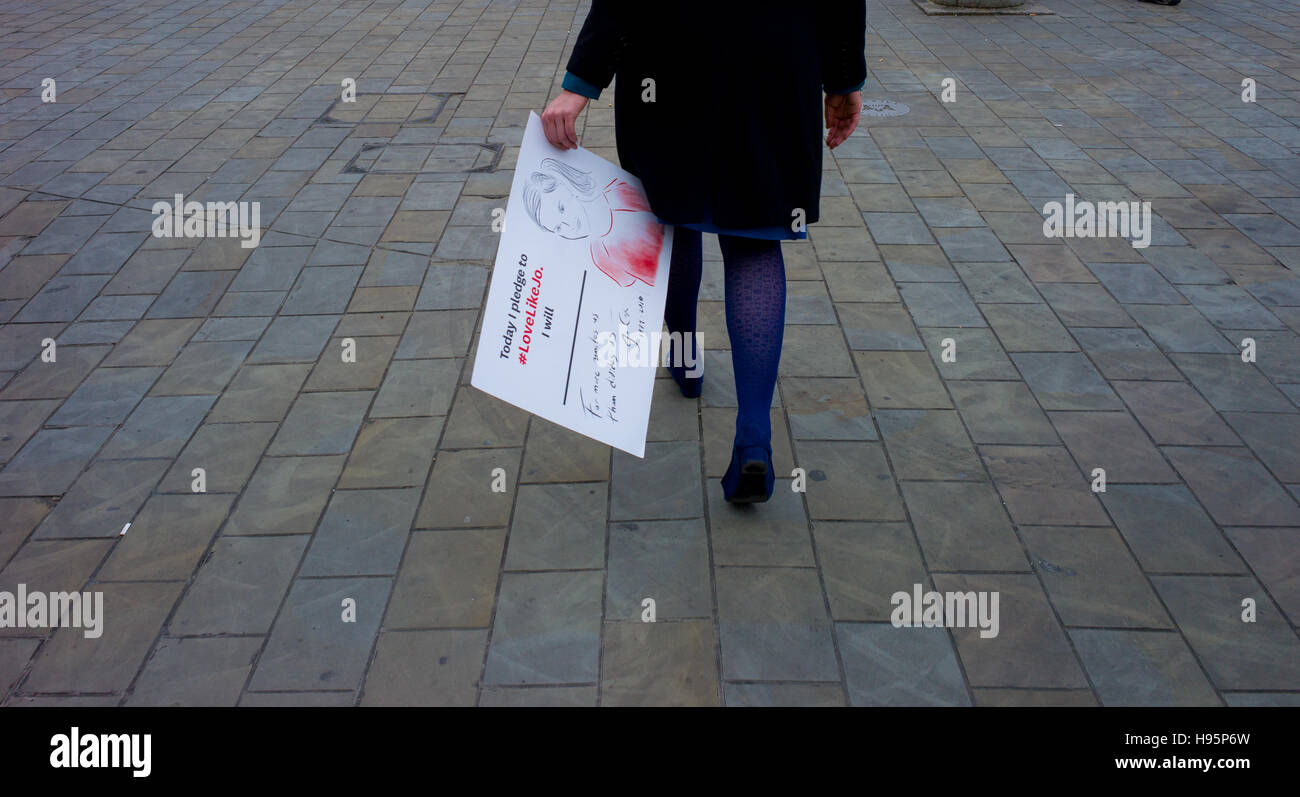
column 754, row 276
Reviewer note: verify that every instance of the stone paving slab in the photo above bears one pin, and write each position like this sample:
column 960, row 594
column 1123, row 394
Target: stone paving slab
column 323, row 511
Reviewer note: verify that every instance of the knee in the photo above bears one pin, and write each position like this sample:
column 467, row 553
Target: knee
column 737, row 246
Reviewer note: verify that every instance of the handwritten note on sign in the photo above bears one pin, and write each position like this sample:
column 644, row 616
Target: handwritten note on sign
column 571, row 327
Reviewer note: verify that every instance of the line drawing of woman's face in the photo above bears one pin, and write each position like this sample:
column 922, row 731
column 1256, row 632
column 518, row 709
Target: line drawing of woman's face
column 557, row 198
column 564, row 213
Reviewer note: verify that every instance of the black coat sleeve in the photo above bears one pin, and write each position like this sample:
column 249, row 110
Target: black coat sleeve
column 842, row 42
column 600, row 43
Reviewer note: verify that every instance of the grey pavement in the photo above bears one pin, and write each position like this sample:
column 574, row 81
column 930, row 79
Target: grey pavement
column 323, row 512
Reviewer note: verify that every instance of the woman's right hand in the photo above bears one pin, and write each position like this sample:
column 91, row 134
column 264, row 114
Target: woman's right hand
column 560, row 118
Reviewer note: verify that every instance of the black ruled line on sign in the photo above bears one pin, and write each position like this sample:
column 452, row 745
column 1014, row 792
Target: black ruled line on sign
column 577, row 319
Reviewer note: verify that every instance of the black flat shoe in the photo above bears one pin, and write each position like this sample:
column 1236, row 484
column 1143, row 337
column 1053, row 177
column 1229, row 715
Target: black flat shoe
column 751, row 478
column 691, row 386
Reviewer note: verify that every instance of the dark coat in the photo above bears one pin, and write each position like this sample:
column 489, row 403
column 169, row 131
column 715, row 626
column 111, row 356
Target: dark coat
column 735, row 129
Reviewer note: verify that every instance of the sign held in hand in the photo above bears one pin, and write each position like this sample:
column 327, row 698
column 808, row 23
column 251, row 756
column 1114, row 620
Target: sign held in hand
column 571, row 328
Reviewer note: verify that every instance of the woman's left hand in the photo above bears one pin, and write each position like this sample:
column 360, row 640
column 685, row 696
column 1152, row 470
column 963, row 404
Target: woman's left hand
column 842, row 113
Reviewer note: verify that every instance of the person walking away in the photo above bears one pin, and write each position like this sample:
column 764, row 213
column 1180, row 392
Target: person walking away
column 718, row 110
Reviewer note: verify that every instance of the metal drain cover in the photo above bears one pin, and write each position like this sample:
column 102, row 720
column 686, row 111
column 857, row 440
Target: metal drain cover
column 446, row 159
column 883, row 108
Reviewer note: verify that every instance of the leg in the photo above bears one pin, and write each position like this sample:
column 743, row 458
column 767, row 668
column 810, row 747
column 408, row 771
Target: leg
column 755, row 292
column 680, row 307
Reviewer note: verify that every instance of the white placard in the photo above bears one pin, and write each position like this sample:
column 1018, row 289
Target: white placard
column 571, row 328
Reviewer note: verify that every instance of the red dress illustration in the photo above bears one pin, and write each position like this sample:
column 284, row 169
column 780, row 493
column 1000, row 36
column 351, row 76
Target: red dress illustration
column 628, row 248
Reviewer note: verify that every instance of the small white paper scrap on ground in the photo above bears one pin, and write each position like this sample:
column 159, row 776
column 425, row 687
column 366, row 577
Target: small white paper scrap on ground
column 571, row 328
